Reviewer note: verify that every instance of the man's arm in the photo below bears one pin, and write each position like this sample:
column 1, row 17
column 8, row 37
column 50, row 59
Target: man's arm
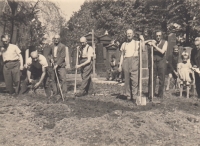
column 29, row 75
column 163, row 50
column 21, row 62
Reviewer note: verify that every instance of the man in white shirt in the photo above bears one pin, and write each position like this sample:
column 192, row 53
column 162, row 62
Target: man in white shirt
column 129, row 61
column 85, row 59
column 36, row 72
column 13, row 63
column 159, row 64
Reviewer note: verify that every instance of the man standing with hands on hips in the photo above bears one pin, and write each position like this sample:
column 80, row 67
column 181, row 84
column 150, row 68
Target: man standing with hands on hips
column 13, row 63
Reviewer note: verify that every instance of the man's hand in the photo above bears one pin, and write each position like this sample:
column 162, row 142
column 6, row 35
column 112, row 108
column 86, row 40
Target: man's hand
column 194, row 66
column 36, row 85
column 55, row 66
column 141, row 37
column 30, row 80
column 21, row 67
column 77, row 66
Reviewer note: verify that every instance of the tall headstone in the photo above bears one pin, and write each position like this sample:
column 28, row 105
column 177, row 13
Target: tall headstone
column 100, row 66
column 171, row 43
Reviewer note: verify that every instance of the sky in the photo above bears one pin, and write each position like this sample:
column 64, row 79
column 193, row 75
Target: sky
column 69, row 6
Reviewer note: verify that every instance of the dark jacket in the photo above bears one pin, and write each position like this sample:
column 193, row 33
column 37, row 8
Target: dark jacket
column 61, row 54
column 196, row 59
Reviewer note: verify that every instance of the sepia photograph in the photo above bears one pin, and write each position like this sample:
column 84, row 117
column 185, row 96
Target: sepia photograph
column 100, row 73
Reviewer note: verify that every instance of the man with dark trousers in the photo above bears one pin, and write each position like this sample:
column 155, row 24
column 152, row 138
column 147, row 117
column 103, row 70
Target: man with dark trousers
column 13, row 63
column 159, row 64
column 58, row 52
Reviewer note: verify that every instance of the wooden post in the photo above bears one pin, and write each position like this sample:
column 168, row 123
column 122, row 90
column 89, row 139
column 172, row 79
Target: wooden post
column 140, row 80
column 94, row 59
column 152, row 94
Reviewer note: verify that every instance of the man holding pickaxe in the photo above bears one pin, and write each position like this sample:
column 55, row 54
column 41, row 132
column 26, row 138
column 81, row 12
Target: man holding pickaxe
column 58, row 53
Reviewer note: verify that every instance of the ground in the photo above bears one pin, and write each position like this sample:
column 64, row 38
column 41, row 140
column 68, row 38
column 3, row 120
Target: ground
column 99, row 120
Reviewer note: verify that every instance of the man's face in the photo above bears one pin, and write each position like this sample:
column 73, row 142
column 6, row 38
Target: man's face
column 175, row 51
column 197, row 44
column 56, row 40
column 83, row 43
column 5, row 41
column 158, row 36
column 129, row 34
column 146, row 33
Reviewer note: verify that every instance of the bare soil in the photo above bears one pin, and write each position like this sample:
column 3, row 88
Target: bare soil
column 99, row 120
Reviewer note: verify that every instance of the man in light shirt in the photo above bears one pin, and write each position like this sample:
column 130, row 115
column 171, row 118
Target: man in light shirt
column 129, row 61
column 36, row 73
column 85, row 59
column 159, row 64
column 13, row 63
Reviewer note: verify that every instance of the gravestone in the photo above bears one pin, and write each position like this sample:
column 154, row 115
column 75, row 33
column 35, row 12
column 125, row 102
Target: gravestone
column 171, row 44
column 100, row 65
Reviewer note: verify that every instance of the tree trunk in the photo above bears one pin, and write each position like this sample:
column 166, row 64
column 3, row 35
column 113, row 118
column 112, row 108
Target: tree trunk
column 187, row 41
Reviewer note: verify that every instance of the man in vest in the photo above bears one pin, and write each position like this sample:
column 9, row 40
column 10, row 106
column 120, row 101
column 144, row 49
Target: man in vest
column 58, row 52
column 13, row 63
column 85, row 60
column 129, row 61
column 36, row 73
column 159, row 64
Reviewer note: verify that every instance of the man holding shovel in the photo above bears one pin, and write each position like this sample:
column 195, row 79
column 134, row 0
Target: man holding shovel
column 85, row 57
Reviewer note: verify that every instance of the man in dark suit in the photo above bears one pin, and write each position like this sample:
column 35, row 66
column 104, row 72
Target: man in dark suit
column 58, row 52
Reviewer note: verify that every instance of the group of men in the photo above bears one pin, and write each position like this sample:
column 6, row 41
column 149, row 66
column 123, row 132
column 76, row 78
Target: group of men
column 129, row 63
column 46, row 65
column 48, row 61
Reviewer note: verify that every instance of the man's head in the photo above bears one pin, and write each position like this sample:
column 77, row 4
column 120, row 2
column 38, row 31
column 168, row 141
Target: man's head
column 145, row 32
column 56, row 39
column 197, row 43
column 5, row 40
column 159, row 35
column 83, row 41
column 129, row 34
column 175, row 50
column 34, row 55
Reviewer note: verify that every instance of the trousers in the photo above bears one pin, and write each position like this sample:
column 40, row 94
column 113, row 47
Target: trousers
column 47, row 82
column 86, row 71
column 159, row 67
column 11, row 72
column 130, row 67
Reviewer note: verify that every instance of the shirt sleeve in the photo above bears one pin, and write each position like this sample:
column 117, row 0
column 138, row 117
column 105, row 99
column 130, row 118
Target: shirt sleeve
column 178, row 65
column 122, row 47
column 18, row 51
column 90, row 52
column 43, row 61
